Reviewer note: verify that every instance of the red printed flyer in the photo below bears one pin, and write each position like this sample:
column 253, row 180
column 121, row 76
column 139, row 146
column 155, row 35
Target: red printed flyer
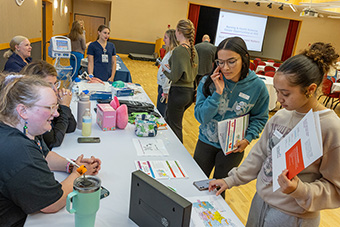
column 294, row 160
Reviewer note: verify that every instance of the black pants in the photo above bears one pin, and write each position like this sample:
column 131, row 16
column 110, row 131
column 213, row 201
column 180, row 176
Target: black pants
column 208, row 156
column 161, row 106
column 180, row 99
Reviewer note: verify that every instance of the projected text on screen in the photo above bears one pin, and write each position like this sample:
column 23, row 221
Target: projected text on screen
column 249, row 27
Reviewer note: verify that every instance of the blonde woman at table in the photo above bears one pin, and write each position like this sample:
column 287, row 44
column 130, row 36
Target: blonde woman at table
column 65, row 122
column 231, row 91
column 298, row 201
column 18, row 55
column 162, row 81
column 27, row 107
column 102, row 56
column 183, row 64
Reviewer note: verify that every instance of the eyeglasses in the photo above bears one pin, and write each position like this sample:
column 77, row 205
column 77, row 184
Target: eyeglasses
column 230, row 62
column 57, row 84
column 52, row 108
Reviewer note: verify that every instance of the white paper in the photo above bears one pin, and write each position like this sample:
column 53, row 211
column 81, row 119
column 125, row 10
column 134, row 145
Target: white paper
column 162, row 169
column 212, row 211
column 150, row 147
column 308, row 132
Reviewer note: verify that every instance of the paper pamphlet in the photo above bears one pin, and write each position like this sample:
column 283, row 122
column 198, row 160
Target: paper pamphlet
column 298, row 149
column 230, row 131
column 150, row 147
column 162, row 169
column 212, row 211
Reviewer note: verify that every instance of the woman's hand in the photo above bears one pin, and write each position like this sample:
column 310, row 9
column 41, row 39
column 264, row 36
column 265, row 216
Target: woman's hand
column 94, row 80
column 111, row 79
column 287, row 186
column 92, row 164
column 64, row 97
column 220, row 184
column 217, row 78
column 165, row 95
column 241, row 145
column 166, row 65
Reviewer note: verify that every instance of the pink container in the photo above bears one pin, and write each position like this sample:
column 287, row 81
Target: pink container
column 106, row 117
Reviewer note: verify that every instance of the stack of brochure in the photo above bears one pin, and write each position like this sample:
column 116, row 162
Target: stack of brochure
column 230, row 131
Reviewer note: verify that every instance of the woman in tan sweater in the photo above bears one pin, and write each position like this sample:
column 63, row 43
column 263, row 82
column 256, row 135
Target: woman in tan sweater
column 298, row 201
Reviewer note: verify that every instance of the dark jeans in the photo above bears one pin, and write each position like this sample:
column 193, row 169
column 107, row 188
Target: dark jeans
column 208, row 156
column 161, row 106
column 180, row 99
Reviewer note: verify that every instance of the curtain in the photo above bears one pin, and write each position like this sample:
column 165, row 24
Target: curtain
column 194, row 12
column 290, row 39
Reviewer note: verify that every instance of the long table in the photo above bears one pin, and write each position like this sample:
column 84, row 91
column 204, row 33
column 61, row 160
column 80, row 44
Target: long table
column 117, row 152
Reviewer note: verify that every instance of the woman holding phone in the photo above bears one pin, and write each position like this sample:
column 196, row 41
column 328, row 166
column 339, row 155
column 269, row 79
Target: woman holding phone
column 231, row 91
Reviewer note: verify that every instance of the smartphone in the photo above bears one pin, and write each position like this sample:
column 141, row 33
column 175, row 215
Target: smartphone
column 88, row 140
column 104, row 193
column 202, row 184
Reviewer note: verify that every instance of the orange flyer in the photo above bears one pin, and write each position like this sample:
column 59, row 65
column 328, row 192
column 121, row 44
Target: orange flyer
column 294, row 160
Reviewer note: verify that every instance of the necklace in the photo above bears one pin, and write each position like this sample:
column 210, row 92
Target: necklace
column 231, row 91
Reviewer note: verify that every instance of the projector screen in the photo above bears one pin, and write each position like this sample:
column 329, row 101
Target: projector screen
column 250, row 27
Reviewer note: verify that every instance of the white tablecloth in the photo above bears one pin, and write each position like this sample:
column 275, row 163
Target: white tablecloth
column 270, row 87
column 117, row 152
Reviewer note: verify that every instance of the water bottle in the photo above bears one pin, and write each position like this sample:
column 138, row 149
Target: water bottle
column 75, row 89
column 83, row 104
column 86, row 123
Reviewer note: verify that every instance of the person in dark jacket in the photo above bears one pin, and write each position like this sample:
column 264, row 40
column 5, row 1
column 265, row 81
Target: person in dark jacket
column 18, row 55
column 65, row 122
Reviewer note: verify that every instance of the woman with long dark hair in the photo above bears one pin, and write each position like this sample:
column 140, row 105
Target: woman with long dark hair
column 231, row 91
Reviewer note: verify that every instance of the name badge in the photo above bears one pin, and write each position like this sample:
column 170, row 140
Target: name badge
column 242, row 95
column 277, row 134
column 105, row 58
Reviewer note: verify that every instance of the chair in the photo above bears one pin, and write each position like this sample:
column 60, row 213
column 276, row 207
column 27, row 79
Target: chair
column 252, row 66
column 261, row 72
column 261, row 63
column 270, row 60
column 269, row 68
column 327, row 91
column 269, row 73
column 256, row 61
column 276, row 64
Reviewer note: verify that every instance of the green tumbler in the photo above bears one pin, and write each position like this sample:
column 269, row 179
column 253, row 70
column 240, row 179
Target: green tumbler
column 85, row 200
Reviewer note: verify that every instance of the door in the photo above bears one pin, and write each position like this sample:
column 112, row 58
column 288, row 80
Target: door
column 91, row 24
column 47, row 28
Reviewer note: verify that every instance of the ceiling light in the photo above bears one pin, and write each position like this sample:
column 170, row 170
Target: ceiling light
column 270, row 5
column 246, row 3
column 55, row 4
column 257, row 3
column 281, row 7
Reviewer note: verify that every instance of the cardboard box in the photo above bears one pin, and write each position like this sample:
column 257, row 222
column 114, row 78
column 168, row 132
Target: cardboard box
column 106, row 117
